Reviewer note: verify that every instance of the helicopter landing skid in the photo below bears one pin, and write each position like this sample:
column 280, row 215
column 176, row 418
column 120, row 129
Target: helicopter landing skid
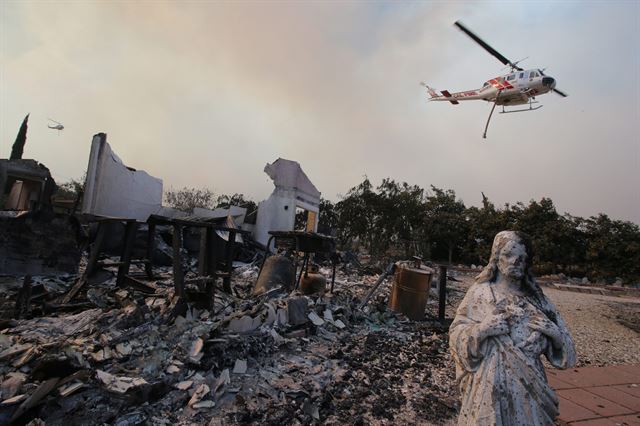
column 531, row 108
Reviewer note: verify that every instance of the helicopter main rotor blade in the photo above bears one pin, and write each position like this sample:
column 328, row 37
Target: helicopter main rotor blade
column 564, row 95
column 486, row 47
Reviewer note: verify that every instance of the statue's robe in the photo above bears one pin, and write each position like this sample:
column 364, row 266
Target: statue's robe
column 502, row 379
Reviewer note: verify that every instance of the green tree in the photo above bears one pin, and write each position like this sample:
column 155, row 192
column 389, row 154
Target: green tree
column 357, row 214
column 546, row 227
column 328, row 217
column 445, row 223
column 401, row 208
column 399, row 215
column 386, row 217
column 71, row 190
column 613, row 248
column 224, row 201
column 187, row 199
column 482, row 224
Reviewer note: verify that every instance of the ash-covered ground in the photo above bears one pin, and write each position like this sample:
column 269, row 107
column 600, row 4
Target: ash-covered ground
column 124, row 357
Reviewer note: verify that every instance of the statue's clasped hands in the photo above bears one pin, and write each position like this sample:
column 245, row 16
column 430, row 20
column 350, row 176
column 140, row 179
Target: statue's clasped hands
column 494, row 325
column 548, row 328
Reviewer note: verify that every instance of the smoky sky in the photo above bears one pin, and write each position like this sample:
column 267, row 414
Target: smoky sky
column 204, row 94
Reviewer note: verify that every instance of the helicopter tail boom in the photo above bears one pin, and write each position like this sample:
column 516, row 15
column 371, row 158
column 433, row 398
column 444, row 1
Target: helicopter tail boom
column 446, row 96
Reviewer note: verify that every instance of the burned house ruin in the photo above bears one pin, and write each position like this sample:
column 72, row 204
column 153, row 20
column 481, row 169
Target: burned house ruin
column 130, row 311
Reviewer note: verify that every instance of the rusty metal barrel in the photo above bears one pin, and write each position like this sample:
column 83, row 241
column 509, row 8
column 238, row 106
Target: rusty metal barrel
column 277, row 271
column 410, row 290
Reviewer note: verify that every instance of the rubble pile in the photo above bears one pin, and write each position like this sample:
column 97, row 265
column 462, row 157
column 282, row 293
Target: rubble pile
column 126, row 357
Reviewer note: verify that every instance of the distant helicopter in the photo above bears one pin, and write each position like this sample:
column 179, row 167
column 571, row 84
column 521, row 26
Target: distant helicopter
column 516, row 88
column 57, row 126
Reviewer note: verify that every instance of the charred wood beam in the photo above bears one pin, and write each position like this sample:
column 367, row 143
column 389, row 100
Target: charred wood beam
column 81, row 282
column 23, row 300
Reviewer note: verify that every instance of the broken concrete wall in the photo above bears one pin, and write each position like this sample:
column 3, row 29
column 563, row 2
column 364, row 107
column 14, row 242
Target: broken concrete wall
column 24, row 195
column 292, row 189
column 113, row 189
column 39, row 244
column 25, row 185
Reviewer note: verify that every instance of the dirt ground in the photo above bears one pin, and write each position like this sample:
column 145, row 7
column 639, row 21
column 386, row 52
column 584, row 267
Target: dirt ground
column 604, row 328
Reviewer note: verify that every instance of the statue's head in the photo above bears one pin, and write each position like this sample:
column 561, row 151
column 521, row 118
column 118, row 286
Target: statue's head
column 511, row 255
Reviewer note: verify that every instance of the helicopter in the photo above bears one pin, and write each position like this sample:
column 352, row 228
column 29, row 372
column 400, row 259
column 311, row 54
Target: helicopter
column 519, row 87
column 58, row 126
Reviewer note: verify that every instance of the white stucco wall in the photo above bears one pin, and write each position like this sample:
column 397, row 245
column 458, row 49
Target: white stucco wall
column 111, row 189
column 292, row 189
column 272, row 216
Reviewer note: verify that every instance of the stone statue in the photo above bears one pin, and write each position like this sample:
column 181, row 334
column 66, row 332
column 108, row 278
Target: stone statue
column 501, row 328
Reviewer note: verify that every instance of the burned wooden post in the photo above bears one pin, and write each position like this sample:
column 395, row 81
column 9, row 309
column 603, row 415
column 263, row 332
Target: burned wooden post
column 151, row 247
column 207, row 259
column 211, row 258
column 95, row 248
column 226, row 281
column 203, row 253
column 127, row 251
column 178, row 277
column 207, row 262
column 442, row 291
column 333, row 276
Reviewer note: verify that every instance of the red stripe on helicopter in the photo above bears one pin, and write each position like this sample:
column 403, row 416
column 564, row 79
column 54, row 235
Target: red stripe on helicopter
column 500, row 85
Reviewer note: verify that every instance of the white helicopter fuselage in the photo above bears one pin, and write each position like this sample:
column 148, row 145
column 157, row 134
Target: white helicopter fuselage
column 515, row 88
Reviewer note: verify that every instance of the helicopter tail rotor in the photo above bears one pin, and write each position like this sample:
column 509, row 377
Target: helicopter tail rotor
column 432, row 93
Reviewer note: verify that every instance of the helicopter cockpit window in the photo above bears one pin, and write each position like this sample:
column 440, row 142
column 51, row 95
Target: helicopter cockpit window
column 533, row 74
column 511, row 77
column 486, row 83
